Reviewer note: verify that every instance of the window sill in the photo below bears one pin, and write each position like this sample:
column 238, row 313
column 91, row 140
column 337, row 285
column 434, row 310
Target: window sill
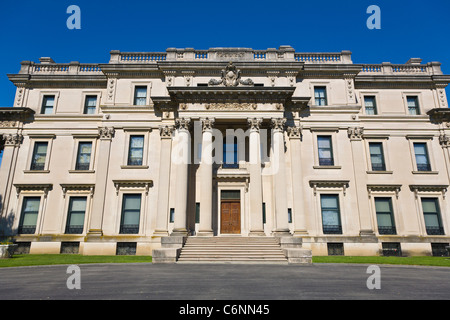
column 81, row 171
column 379, row 172
column 327, row 167
column 36, row 171
column 133, row 167
column 425, row 172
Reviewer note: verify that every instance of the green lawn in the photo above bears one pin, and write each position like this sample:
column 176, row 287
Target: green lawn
column 419, row 261
column 49, row 259
column 52, row 259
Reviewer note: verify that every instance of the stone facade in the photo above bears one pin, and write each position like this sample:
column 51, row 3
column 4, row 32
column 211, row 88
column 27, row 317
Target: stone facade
column 109, row 158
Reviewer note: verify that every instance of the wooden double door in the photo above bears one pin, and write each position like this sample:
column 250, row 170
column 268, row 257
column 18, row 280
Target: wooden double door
column 230, row 216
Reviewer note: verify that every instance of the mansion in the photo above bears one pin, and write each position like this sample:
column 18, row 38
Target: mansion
column 155, row 149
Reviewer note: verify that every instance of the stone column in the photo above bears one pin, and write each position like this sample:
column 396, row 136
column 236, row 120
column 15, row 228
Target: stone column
column 279, row 176
column 162, row 220
column 11, row 149
column 101, row 180
column 182, row 163
column 297, row 182
column 205, row 226
column 256, row 199
column 359, row 170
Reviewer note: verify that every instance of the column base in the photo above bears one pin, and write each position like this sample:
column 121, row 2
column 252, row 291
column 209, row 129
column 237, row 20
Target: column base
column 94, row 235
column 160, row 233
column 205, row 233
column 368, row 236
column 300, row 233
column 179, row 233
column 281, row 233
column 257, row 233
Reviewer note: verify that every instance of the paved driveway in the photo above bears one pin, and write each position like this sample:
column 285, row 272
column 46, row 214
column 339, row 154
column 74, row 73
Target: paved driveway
column 224, row 282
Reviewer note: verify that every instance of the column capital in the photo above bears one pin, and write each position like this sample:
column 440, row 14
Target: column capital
column 106, row 133
column 13, row 140
column 166, row 131
column 207, row 124
column 183, row 124
column 294, row 132
column 444, row 140
column 278, row 124
column 254, row 124
column 355, row 133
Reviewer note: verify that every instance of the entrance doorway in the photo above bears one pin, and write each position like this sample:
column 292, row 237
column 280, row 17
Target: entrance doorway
column 230, row 212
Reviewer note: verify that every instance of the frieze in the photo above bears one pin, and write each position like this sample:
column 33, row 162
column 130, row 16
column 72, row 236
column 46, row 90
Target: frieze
column 231, row 106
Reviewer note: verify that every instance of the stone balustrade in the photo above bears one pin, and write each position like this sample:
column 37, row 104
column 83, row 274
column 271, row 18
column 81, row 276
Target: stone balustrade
column 52, row 68
column 386, row 68
column 283, row 53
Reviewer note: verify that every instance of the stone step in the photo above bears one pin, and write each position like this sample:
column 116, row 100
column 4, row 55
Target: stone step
column 232, row 250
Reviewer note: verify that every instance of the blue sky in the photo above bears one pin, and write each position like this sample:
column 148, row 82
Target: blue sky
column 31, row 29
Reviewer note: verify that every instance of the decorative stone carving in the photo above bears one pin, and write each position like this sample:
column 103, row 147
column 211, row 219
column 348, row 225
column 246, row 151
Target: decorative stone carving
column 230, row 55
column 272, row 77
column 350, row 87
column 183, row 124
column 254, row 124
column 444, row 140
column 188, row 75
column 20, row 94
column 278, row 124
column 441, row 95
column 231, row 106
column 169, row 77
column 231, row 77
column 355, row 133
column 111, row 89
column 294, row 132
column 106, row 133
column 166, row 131
column 291, row 76
column 13, row 140
column 207, row 124
column 8, row 124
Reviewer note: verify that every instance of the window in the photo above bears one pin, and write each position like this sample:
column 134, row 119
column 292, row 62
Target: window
column 126, row 248
column 172, row 215
column 39, row 155
column 230, row 154
column 140, row 95
column 376, row 156
column 48, row 103
column 264, row 212
column 289, row 215
column 335, row 249
column 131, row 209
column 75, row 215
column 90, row 104
column 385, row 218
column 70, row 247
column 197, row 212
column 331, row 221
column 136, row 151
column 84, row 156
column 391, row 249
column 325, row 151
column 370, row 105
column 30, row 211
column 422, row 159
column 413, row 105
column 320, row 96
column 432, row 216
column 439, row 249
